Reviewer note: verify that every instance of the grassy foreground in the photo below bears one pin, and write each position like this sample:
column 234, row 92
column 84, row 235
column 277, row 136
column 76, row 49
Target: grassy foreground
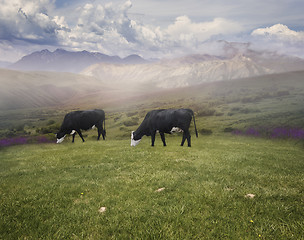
column 108, row 190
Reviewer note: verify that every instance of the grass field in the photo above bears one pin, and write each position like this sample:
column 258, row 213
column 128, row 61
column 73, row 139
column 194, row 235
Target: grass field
column 109, row 190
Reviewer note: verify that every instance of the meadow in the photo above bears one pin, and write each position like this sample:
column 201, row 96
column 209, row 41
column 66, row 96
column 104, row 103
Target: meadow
column 109, row 190
column 241, row 179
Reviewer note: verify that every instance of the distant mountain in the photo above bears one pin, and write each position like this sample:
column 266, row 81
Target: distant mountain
column 236, row 61
column 65, row 61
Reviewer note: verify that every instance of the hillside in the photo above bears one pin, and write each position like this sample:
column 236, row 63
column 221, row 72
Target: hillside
column 20, row 90
column 32, row 99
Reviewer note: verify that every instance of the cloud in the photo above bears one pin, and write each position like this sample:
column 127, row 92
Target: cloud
column 184, row 28
column 105, row 28
column 183, row 36
column 111, row 28
column 279, row 38
column 28, row 21
column 279, row 32
column 190, row 35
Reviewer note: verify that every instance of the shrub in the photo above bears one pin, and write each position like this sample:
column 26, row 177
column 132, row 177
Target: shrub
column 206, row 112
column 249, row 110
column 204, row 131
column 50, row 122
column 117, row 118
column 229, row 129
column 132, row 122
column 130, row 114
column 282, row 93
column 20, row 128
column 49, row 129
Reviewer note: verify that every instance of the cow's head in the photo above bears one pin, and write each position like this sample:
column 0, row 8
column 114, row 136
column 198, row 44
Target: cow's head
column 134, row 139
column 60, row 137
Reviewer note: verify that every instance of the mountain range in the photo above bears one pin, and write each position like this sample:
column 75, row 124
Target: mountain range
column 65, row 61
column 195, row 69
column 233, row 61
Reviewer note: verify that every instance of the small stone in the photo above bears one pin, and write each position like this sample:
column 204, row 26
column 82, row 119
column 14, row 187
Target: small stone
column 160, row 189
column 102, row 209
column 249, row 195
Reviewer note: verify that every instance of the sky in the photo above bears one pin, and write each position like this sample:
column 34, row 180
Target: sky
column 149, row 28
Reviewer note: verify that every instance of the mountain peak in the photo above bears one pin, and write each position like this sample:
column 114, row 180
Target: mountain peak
column 134, row 59
column 62, row 60
column 60, row 50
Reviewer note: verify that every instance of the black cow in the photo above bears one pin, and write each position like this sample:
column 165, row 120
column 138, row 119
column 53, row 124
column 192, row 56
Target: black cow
column 164, row 120
column 75, row 121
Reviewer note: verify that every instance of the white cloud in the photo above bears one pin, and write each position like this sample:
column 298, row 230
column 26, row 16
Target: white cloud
column 28, row 21
column 190, row 35
column 184, row 28
column 279, row 38
column 279, row 32
column 105, row 28
column 110, row 28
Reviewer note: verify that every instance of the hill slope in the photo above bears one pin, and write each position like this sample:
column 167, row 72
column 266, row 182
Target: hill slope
column 269, row 100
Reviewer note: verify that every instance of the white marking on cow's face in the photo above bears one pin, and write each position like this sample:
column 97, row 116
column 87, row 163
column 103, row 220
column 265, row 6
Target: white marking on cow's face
column 134, row 142
column 73, row 131
column 60, row 140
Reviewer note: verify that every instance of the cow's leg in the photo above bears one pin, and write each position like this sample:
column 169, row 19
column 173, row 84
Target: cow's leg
column 188, row 138
column 162, row 135
column 153, row 133
column 79, row 133
column 184, row 139
column 73, row 136
column 101, row 131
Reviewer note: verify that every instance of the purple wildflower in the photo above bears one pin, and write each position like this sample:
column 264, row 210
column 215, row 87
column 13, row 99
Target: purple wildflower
column 278, row 132
column 23, row 140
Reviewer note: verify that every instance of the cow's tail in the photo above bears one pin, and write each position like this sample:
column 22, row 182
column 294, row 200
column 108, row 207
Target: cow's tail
column 104, row 126
column 194, row 124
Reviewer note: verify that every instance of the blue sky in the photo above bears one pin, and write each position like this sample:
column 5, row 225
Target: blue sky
column 150, row 28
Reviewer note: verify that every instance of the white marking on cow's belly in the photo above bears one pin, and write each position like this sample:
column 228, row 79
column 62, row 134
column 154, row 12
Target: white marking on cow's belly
column 176, row 129
column 73, row 131
column 93, row 127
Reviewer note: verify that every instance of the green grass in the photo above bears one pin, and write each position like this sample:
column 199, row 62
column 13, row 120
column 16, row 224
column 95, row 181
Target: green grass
column 54, row 191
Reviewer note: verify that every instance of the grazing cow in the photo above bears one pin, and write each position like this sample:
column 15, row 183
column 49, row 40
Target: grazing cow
column 75, row 121
column 164, row 121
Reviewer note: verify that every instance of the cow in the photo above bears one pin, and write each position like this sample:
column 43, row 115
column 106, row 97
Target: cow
column 164, row 121
column 82, row 120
